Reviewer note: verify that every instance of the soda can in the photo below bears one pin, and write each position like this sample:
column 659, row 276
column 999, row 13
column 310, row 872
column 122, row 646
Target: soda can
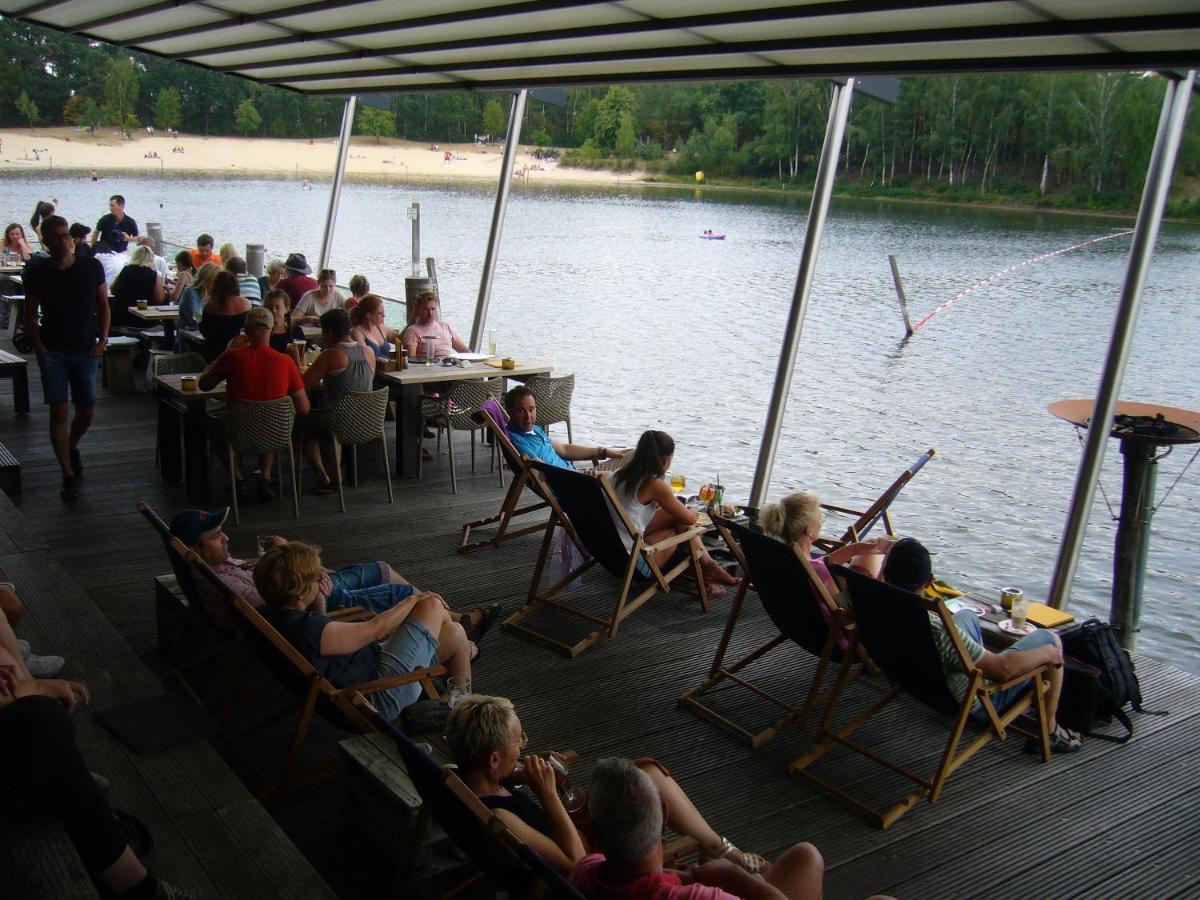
column 1007, row 595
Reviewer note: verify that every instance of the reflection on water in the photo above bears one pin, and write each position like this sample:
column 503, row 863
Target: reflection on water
column 665, row 330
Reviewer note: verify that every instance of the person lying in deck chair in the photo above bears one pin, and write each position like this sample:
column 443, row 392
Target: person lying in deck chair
column 375, row 586
column 486, row 738
column 416, row 633
column 908, row 566
column 531, row 439
column 627, row 813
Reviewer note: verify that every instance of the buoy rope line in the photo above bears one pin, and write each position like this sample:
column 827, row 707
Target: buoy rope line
column 1005, row 271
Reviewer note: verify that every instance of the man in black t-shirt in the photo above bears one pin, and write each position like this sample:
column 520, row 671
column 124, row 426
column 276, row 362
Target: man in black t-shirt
column 115, row 221
column 72, row 296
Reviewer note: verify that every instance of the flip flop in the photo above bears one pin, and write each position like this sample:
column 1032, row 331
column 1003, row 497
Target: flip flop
column 323, row 490
column 751, row 862
column 482, row 618
column 474, row 654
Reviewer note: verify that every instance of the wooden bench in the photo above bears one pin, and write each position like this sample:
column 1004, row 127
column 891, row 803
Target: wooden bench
column 10, row 472
column 16, row 368
column 118, row 364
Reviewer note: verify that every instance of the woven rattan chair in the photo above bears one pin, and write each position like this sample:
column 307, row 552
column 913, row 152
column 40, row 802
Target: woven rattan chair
column 262, row 426
column 455, row 410
column 177, row 363
column 553, row 399
column 358, row 417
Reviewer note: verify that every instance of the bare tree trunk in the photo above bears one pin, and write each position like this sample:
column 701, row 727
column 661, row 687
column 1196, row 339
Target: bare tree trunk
column 866, row 153
column 1045, row 175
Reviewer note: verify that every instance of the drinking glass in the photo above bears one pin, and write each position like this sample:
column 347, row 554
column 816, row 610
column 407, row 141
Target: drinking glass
column 491, row 343
column 1019, row 612
column 707, row 493
column 460, row 688
column 262, row 543
column 430, row 344
column 678, row 482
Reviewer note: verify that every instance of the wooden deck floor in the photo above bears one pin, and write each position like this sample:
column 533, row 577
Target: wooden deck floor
column 1108, row 821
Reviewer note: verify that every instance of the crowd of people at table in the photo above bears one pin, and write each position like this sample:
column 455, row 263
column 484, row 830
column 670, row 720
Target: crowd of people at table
column 610, row 843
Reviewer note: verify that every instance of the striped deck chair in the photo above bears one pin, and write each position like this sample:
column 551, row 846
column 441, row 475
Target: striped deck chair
column 894, row 626
column 581, row 504
column 798, row 604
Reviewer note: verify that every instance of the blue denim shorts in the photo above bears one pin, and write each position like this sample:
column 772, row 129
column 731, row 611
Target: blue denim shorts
column 412, row 646
column 366, row 585
column 68, row 368
column 1006, row 698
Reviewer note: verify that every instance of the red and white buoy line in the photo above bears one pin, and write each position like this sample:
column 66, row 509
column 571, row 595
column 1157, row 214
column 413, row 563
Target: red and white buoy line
column 1013, row 268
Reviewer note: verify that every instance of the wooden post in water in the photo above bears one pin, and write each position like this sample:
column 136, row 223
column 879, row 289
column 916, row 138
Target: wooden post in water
column 154, row 232
column 908, row 327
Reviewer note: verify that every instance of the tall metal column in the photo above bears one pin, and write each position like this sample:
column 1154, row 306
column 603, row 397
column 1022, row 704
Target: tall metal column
column 516, row 115
column 835, row 129
column 339, row 169
column 1154, row 198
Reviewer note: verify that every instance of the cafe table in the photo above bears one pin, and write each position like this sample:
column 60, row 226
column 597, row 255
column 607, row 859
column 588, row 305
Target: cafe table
column 165, row 315
column 406, row 388
column 184, row 413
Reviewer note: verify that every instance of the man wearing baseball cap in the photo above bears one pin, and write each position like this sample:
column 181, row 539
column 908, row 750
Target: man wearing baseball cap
column 251, row 370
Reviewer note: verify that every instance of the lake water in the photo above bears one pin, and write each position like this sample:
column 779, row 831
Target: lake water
column 668, row 331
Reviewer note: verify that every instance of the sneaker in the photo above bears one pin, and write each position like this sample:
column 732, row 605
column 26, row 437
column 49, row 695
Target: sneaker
column 100, row 781
column 70, row 488
column 23, row 646
column 76, row 463
column 265, row 491
column 164, row 891
column 44, row 666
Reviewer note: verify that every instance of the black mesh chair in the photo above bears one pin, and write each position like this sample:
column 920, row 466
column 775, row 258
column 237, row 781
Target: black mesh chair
column 581, row 504
column 895, row 627
column 500, row 855
column 798, row 604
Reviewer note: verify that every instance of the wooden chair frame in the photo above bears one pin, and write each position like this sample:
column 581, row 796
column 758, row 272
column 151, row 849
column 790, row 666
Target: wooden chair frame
column 659, row 582
column 720, row 672
column 878, row 511
column 317, row 689
column 979, row 689
column 509, row 508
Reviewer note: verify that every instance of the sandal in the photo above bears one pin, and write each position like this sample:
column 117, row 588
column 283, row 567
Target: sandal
column 713, row 590
column 713, row 572
column 751, row 862
column 323, row 490
column 1062, row 740
column 477, row 622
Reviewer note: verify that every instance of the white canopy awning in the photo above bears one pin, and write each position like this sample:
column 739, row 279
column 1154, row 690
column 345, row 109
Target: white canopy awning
column 344, row 47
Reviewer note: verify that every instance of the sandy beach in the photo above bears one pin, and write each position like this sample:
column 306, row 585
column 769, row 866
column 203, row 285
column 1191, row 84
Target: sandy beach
column 106, row 152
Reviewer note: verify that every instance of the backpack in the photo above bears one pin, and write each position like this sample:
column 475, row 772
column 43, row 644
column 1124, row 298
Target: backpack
column 1098, row 681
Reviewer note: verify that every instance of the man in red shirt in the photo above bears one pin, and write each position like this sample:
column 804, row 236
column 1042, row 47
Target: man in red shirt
column 251, row 370
column 299, row 280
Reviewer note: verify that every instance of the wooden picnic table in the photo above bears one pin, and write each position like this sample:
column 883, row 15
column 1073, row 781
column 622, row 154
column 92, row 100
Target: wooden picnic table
column 184, row 413
column 166, row 315
column 406, row 389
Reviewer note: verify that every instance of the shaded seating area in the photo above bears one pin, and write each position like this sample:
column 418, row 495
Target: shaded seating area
column 581, row 505
column 801, row 608
column 893, row 626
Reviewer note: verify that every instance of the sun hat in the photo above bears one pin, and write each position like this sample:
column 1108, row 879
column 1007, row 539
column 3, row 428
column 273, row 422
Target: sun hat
column 297, row 263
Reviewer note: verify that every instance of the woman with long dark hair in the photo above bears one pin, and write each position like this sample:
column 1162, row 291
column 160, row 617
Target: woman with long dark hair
column 41, row 212
column 652, row 506
column 224, row 314
column 15, row 243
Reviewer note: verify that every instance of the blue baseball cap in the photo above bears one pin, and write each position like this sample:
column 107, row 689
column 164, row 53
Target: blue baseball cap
column 189, row 524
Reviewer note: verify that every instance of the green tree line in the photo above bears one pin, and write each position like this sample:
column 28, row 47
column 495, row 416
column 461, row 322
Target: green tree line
column 1078, row 139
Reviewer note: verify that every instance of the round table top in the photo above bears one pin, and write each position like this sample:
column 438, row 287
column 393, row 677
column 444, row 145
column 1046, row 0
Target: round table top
column 1079, row 412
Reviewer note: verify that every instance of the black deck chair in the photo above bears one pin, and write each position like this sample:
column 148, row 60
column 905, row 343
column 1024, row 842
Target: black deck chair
column 220, row 635
column 476, row 830
column 312, row 693
column 509, row 508
column 894, row 626
column 581, row 503
column 793, row 595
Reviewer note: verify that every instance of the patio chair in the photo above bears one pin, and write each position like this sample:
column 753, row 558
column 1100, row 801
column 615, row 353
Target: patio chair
column 262, row 426
column 798, row 604
column 312, row 692
column 455, row 410
column 509, row 509
column 553, row 398
column 358, row 417
column 878, row 511
column 895, row 628
column 580, row 503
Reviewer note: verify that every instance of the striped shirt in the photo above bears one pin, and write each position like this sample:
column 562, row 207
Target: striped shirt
column 952, row 666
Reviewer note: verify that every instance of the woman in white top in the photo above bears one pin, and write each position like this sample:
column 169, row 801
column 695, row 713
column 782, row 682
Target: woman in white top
column 315, row 304
column 652, row 506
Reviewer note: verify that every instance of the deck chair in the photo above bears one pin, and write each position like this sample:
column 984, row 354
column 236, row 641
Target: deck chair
column 198, row 624
column 877, row 512
column 473, row 828
column 894, row 626
column 793, row 595
column 580, row 503
column 312, row 692
column 509, row 508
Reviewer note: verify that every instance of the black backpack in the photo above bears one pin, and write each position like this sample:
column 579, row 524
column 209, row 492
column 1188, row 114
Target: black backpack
column 1098, row 681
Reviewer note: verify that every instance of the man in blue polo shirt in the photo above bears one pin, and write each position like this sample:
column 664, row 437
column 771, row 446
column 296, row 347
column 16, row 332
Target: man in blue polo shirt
column 531, row 439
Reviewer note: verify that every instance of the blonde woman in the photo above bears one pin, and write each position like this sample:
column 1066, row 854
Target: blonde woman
column 226, row 253
column 137, row 282
column 192, row 300
column 359, row 288
column 314, row 304
column 797, row 520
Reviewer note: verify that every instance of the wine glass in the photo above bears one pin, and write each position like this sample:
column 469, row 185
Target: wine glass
column 678, row 482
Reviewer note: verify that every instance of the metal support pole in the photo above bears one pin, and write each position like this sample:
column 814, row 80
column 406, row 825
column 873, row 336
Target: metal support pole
column 1145, row 233
column 256, row 260
column 1133, row 539
column 835, row 128
column 515, row 116
column 414, row 214
column 339, row 169
column 154, row 232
